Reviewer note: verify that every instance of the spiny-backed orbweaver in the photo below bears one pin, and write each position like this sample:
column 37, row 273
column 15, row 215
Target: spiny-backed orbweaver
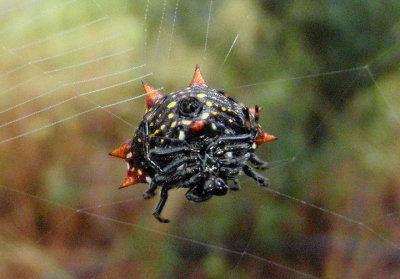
column 197, row 138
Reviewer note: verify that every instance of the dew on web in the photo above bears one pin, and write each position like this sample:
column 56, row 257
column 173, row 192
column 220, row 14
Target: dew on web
column 70, row 92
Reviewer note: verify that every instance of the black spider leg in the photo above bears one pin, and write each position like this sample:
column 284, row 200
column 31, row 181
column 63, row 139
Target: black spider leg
column 169, row 151
column 151, row 192
column 229, row 172
column 153, row 185
column 236, row 185
column 197, row 198
column 231, row 167
column 159, row 179
column 160, row 205
column 165, row 152
column 244, row 138
column 190, row 194
column 163, row 179
column 174, row 165
column 229, row 162
column 258, row 163
column 223, row 144
column 262, row 181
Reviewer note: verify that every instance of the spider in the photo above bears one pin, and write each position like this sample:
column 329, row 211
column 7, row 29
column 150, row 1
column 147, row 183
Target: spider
column 197, row 138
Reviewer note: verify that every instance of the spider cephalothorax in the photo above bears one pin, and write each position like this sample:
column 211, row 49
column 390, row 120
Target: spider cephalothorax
column 197, row 138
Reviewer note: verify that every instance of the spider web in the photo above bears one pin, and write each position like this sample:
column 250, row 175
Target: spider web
column 69, row 88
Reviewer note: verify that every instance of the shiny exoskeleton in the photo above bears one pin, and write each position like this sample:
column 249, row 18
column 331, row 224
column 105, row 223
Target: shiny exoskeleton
column 197, row 138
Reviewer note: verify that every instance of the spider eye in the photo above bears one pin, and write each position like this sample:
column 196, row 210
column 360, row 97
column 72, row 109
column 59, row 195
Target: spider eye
column 190, row 106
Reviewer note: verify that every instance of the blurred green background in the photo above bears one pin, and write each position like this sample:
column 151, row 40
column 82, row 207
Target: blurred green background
column 325, row 72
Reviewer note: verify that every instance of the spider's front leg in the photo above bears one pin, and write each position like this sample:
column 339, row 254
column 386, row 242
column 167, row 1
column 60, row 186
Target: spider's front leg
column 262, row 181
column 160, row 205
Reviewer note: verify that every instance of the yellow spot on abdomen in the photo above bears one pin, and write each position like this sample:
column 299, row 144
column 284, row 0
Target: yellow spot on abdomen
column 201, row 95
column 186, row 122
column 170, row 115
column 155, row 133
column 171, row 105
column 162, row 127
column 223, row 108
column 173, row 124
column 209, row 104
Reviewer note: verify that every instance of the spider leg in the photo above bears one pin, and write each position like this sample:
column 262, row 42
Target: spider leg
column 160, row 205
column 229, row 172
column 169, row 151
column 236, row 185
column 197, row 198
column 224, row 139
column 162, row 152
column 193, row 180
column 180, row 177
column 167, row 179
column 190, row 195
column 234, row 161
column 237, row 148
column 151, row 191
column 262, row 181
column 225, row 144
column 258, row 163
column 177, row 163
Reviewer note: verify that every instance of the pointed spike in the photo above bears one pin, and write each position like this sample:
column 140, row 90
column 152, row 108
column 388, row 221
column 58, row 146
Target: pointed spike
column 152, row 95
column 198, row 79
column 256, row 114
column 129, row 180
column 263, row 137
column 253, row 110
column 123, row 150
column 134, row 176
